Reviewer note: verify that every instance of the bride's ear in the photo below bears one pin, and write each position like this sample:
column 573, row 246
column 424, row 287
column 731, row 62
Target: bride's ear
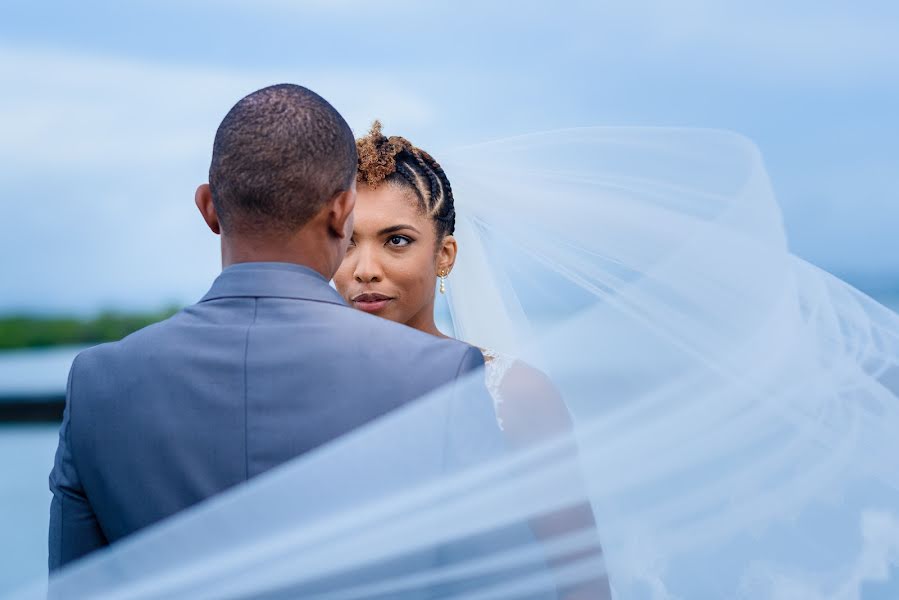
column 446, row 255
column 340, row 214
column 203, row 200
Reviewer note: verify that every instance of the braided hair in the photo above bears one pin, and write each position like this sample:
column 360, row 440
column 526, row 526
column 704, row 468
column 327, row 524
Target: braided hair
column 395, row 160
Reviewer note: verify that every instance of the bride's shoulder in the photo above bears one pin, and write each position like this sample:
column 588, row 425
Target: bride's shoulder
column 532, row 405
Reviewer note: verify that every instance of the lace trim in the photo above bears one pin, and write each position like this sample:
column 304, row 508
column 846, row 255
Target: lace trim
column 496, row 366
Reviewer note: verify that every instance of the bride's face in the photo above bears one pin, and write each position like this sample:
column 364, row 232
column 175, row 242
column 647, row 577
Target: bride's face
column 392, row 261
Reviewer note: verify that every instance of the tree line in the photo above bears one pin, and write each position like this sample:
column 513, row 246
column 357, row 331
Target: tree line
column 28, row 331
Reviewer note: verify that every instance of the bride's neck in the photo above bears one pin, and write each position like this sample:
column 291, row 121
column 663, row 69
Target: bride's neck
column 424, row 321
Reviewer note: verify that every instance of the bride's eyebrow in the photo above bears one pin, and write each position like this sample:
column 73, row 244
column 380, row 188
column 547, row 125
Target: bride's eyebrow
column 395, row 228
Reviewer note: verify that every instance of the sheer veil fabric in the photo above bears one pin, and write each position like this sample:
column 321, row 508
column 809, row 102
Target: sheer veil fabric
column 732, row 409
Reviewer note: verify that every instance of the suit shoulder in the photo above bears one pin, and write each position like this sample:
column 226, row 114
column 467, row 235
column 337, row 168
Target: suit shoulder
column 155, row 329
column 389, row 334
column 103, row 354
column 93, row 356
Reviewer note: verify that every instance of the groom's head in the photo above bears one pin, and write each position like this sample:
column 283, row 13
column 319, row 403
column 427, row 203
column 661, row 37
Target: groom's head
column 282, row 179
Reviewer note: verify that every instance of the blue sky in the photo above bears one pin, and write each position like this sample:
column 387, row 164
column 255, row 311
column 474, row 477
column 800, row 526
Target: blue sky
column 108, row 112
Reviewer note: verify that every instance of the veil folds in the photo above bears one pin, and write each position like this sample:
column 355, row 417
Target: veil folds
column 733, row 409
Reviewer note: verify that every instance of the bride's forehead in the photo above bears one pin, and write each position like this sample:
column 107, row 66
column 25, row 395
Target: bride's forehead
column 386, row 205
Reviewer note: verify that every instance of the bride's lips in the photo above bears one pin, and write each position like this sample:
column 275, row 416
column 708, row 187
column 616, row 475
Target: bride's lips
column 370, row 302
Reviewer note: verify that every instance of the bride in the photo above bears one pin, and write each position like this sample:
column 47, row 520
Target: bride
column 733, row 407
column 402, row 242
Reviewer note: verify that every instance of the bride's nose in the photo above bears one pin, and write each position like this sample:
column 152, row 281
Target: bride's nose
column 367, row 267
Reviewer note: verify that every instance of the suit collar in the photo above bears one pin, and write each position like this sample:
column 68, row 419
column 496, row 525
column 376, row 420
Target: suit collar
column 272, row 280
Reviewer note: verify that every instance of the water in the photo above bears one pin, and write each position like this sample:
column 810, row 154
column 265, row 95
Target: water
column 26, row 457
column 37, row 372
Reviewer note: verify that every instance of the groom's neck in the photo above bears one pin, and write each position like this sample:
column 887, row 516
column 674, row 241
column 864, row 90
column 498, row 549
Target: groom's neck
column 298, row 250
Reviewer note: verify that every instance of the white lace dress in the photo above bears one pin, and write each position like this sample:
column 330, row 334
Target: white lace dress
column 496, row 365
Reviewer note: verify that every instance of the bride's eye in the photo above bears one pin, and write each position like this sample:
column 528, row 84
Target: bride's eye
column 398, row 241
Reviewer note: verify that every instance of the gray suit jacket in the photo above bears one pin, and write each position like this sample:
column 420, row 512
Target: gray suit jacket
column 270, row 364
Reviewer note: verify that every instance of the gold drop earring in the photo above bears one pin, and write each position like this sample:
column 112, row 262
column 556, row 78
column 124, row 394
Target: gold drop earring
column 443, row 282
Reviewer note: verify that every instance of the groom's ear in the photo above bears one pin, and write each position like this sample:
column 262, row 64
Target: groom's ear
column 340, row 213
column 203, row 199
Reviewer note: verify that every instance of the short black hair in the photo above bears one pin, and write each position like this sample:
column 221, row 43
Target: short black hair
column 279, row 155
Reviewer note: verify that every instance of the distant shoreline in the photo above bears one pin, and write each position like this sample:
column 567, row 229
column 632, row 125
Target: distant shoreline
column 22, row 332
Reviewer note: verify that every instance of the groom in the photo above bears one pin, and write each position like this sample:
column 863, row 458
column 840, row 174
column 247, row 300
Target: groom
column 269, row 365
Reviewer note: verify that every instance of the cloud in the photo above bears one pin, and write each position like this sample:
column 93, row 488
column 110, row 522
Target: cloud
column 784, row 43
column 808, row 45
column 76, row 111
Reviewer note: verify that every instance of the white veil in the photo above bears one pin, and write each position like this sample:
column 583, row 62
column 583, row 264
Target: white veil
column 734, row 409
